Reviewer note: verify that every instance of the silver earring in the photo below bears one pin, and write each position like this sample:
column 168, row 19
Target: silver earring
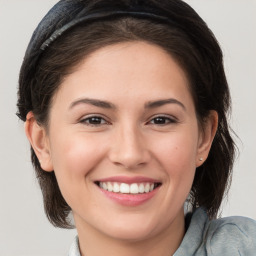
column 201, row 159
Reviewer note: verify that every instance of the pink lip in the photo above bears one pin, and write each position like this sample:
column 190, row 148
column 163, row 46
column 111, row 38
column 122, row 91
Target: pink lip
column 129, row 199
column 129, row 180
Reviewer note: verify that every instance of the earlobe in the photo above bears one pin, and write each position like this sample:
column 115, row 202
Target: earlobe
column 206, row 138
column 37, row 137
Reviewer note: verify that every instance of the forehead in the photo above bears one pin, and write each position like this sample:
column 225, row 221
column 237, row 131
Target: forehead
column 134, row 69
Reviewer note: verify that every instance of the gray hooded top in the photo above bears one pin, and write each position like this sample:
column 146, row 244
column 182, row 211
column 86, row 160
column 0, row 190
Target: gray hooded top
column 231, row 236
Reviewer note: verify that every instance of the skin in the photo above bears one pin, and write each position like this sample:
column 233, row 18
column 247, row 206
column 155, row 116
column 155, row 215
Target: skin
column 129, row 141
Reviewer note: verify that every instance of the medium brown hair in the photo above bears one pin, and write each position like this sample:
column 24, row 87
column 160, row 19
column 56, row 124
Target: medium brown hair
column 188, row 40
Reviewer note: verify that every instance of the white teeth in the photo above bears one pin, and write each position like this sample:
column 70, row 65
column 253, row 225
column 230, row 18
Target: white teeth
column 141, row 188
column 134, row 189
column 110, row 187
column 147, row 188
column 124, row 188
column 116, row 188
column 105, row 186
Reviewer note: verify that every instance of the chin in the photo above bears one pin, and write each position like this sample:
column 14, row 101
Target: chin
column 132, row 228
column 131, row 234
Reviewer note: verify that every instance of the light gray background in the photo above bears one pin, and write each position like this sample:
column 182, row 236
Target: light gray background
column 24, row 230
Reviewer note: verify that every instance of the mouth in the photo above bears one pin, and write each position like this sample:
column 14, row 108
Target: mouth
column 126, row 188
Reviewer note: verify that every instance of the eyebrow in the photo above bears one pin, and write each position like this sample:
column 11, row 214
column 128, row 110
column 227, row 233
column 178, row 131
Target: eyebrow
column 109, row 105
column 94, row 102
column 159, row 103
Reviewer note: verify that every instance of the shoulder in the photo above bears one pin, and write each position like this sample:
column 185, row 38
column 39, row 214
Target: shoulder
column 231, row 236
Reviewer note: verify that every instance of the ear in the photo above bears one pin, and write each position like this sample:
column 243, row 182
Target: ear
column 38, row 139
column 206, row 137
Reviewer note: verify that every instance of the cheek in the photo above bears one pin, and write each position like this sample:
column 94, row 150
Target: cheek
column 177, row 149
column 178, row 162
column 74, row 157
column 177, row 156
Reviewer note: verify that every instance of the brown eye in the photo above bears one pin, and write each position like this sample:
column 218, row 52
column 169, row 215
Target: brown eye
column 162, row 120
column 94, row 121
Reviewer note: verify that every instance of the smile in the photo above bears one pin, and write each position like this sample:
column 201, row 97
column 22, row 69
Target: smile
column 129, row 191
column 124, row 188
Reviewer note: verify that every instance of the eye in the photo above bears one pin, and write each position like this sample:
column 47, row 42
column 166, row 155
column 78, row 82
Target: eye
column 162, row 120
column 94, row 121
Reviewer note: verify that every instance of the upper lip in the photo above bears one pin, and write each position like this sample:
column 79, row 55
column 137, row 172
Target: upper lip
column 129, row 180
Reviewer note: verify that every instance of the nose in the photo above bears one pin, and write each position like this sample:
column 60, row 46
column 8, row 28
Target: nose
column 129, row 148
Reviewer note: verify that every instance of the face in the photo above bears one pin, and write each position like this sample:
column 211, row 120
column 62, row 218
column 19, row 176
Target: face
column 124, row 142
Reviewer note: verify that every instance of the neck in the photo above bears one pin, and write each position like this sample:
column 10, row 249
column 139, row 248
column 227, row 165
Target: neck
column 165, row 243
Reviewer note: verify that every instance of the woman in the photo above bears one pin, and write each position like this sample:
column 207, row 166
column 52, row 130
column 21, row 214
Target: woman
column 125, row 105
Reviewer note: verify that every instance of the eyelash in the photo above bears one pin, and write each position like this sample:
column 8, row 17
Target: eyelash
column 87, row 120
column 167, row 120
column 164, row 120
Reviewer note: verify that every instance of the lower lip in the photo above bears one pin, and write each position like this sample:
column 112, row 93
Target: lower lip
column 129, row 199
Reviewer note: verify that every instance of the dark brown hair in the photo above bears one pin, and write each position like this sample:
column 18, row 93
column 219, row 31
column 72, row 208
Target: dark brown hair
column 187, row 39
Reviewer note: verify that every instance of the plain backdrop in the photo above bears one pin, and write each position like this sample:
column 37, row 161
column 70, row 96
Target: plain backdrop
column 24, row 229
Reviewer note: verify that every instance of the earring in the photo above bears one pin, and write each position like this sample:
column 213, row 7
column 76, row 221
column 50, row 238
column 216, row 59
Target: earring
column 201, row 159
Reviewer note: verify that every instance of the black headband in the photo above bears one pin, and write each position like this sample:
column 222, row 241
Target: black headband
column 103, row 15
